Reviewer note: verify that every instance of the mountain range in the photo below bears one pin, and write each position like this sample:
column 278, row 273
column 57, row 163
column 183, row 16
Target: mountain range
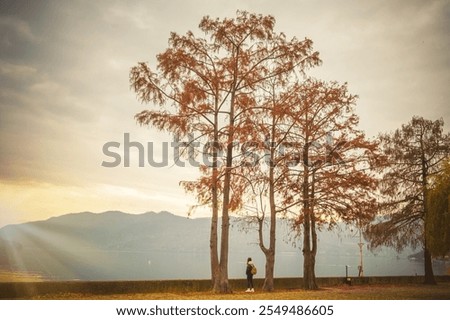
column 118, row 246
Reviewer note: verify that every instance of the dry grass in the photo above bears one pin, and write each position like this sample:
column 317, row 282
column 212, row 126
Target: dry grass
column 357, row 292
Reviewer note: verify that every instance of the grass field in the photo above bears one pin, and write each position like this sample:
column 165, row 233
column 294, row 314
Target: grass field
column 356, row 292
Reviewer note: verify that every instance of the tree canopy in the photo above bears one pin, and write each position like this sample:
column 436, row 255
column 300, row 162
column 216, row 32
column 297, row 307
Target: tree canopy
column 206, row 86
column 438, row 217
column 414, row 153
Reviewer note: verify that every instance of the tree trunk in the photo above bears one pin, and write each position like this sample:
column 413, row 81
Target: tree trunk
column 270, row 252
column 309, row 254
column 309, row 236
column 213, row 242
column 270, row 265
column 313, row 232
column 309, row 276
column 429, row 275
column 222, row 285
column 214, row 256
column 428, row 263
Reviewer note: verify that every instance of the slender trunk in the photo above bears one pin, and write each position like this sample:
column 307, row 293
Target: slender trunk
column 270, row 256
column 269, row 277
column 309, row 236
column 429, row 275
column 269, row 252
column 313, row 232
column 306, row 233
column 309, row 254
column 309, row 278
column 214, row 255
column 309, row 257
column 222, row 284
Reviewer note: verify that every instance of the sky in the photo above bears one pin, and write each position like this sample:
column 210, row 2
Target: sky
column 65, row 92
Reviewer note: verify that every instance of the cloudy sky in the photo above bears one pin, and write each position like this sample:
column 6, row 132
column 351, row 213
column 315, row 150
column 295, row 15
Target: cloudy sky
column 65, row 92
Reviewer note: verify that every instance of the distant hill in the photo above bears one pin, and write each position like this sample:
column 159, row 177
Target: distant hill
column 115, row 245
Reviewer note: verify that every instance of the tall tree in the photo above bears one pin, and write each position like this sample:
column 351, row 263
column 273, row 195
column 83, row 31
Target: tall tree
column 414, row 153
column 188, row 88
column 268, row 168
column 206, row 86
column 332, row 180
column 438, row 217
column 316, row 162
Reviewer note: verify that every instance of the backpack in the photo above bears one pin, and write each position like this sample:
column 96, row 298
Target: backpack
column 253, row 271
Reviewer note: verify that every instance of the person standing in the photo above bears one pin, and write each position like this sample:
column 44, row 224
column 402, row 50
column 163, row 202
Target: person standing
column 250, row 271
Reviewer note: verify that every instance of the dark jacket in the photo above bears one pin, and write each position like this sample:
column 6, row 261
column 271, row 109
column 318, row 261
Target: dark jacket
column 248, row 271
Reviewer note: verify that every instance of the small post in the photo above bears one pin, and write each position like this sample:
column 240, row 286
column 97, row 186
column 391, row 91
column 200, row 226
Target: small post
column 360, row 244
column 348, row 280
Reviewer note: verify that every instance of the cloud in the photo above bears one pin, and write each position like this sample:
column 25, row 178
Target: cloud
column 16, row 71
column 14, row 29
column 136, row 13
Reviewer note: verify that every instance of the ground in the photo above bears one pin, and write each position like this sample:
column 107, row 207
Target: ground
column 344, row 292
